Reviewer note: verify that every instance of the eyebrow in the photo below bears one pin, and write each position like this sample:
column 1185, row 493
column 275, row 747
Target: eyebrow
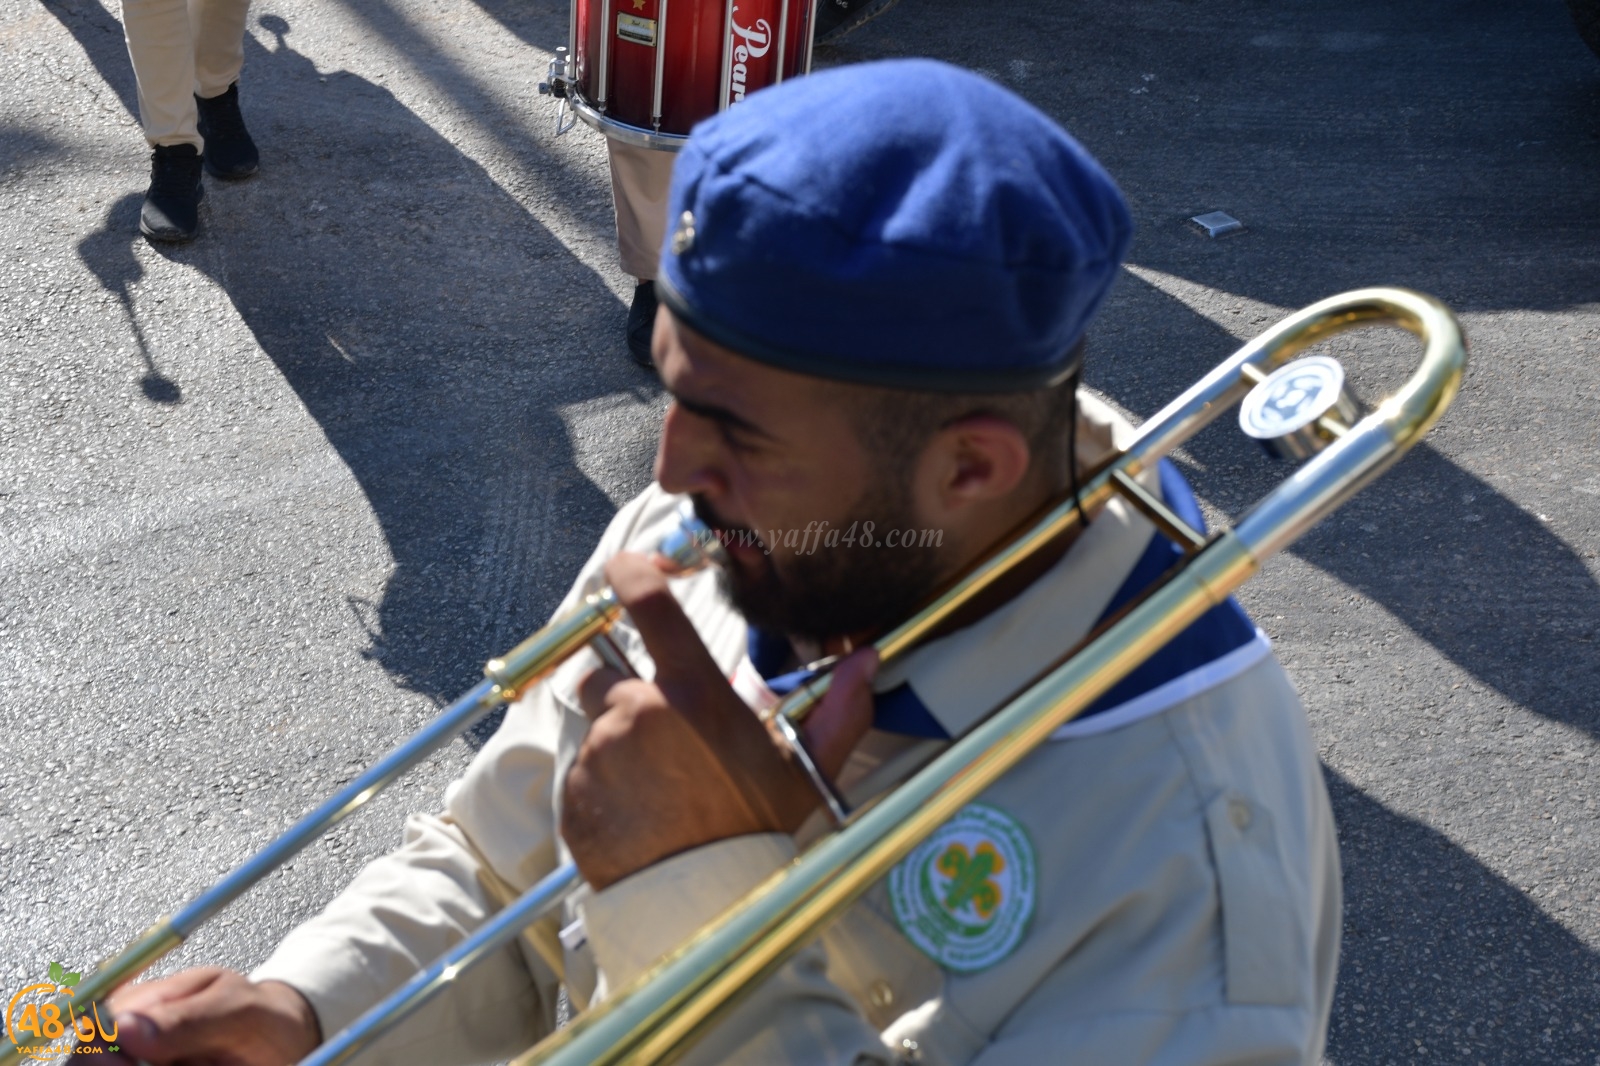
column 721, row 415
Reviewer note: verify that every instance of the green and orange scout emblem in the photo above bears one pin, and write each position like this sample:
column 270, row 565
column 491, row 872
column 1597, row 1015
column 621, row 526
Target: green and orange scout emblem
column 965, row 895
column 39, row 1031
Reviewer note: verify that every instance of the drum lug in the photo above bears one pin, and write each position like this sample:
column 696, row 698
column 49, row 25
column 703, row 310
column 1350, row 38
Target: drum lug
column 558, row 79
column 558, row 84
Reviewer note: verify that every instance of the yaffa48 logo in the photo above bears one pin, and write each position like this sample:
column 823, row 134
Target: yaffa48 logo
column 39, row 1030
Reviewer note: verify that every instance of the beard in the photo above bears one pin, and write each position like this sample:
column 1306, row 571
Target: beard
column 816, row 591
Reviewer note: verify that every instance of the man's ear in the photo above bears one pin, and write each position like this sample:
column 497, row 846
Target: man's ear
column 975, row 460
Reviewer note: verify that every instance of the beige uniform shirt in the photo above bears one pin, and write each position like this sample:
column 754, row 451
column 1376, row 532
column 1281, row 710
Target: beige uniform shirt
column 1157, row 884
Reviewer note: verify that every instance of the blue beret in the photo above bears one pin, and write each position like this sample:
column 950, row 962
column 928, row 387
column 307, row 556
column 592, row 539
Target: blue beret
column 901, row 223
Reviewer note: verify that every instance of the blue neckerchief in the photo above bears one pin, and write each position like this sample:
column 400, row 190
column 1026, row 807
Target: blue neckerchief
column 1216, row 633
column 897, row 711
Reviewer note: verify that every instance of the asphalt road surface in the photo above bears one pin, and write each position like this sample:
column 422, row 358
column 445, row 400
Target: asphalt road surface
column 266, row 501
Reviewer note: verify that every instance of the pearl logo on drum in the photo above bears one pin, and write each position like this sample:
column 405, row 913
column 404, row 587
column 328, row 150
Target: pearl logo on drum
column 757, row 42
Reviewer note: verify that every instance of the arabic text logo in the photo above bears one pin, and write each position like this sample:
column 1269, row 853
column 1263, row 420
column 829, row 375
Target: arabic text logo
column 34, row 1023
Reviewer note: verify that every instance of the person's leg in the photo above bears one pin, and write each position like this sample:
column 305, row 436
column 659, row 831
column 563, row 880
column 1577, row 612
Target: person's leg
column 218, row 58
column 640, row 178
column 639, row 181
column 218, row 44
column 161, row 47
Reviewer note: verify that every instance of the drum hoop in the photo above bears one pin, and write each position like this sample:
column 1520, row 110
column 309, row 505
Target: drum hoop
column 622, row 131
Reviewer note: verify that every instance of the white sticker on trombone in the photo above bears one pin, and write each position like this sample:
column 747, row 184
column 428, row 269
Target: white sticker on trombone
column 635, row 29
column 965, row 896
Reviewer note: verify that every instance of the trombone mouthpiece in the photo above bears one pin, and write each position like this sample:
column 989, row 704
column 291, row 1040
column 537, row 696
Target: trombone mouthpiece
column 692, row 546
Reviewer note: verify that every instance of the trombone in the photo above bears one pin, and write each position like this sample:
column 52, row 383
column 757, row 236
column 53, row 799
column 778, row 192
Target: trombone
column 1296, row 407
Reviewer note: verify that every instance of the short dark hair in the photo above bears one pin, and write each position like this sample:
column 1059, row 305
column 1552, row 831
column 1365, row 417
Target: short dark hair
column 898, row 423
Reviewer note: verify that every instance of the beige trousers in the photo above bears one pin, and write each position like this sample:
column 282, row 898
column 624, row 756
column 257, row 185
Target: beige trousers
column 640, row 178
column 182, row 49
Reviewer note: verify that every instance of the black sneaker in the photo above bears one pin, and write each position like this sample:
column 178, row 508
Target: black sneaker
column 642, row 323
column 171, row 209
column 835, row 18
column 230, row 153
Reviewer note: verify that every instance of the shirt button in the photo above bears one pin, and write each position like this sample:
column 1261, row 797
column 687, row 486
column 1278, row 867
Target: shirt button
column 1239, row 814
column 880, row 994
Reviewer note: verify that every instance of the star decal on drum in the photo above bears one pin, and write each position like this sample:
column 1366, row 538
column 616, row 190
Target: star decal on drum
column 638, row 5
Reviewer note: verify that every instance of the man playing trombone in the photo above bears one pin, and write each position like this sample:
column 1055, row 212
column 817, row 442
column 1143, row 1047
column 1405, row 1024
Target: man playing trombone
column 874, row 297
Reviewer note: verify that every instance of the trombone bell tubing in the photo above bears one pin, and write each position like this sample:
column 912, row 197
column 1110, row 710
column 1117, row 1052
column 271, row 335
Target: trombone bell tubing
column 1376, row 442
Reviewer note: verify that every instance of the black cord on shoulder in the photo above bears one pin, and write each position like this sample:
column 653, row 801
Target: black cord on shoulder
column 1072, row 443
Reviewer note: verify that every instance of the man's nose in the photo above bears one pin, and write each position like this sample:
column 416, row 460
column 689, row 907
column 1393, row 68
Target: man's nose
column 687, row 459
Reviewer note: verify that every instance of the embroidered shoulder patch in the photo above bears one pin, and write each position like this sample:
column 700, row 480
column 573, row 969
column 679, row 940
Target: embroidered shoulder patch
column 965, row 896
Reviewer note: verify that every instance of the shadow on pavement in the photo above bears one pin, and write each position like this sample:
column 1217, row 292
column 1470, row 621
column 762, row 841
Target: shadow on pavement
column 390, row 280
column 108, row 254
column 1339, row 135
column 99, row 34
column 1485, row 583
column 511, row 112
column 20, row 146
column 1420, row 914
